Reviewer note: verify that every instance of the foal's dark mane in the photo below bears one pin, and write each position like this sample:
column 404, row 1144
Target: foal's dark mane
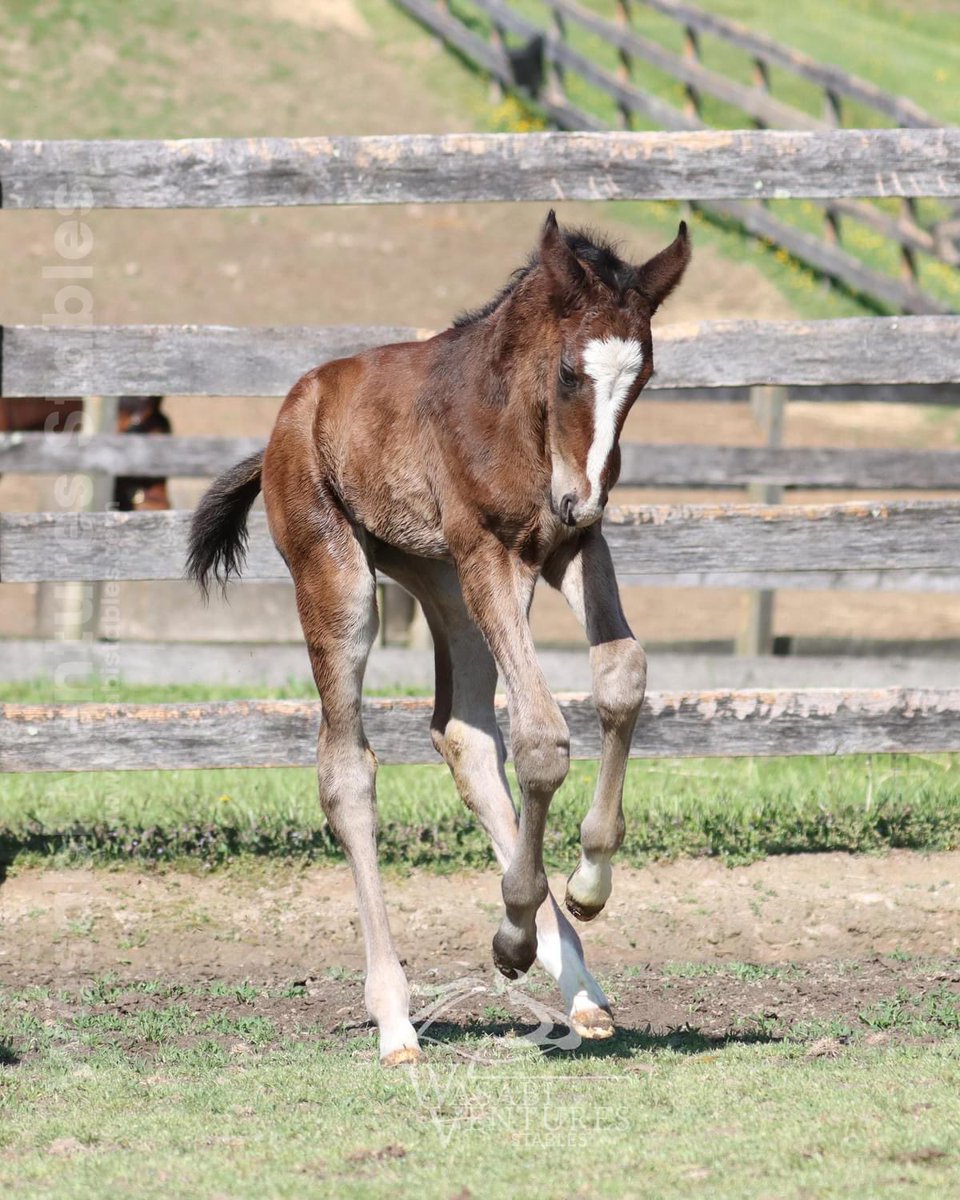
column 593, row 249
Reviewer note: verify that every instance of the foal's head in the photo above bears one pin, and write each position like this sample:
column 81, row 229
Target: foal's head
column 601, row 356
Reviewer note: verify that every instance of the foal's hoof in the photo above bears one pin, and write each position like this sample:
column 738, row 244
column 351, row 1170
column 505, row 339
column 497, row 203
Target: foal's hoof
column 593, row 1024
column 397, row 1058
column 588, row 889
column 583, row 912
column 513, row 952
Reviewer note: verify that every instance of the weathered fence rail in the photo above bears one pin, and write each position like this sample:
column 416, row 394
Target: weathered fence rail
column 258, row 733
column 432, row 168
column 736, row 540
column 197, row 360
column 644, row 466
column 274, row 664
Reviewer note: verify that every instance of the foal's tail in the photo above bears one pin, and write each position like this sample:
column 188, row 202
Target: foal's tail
column 218, row 531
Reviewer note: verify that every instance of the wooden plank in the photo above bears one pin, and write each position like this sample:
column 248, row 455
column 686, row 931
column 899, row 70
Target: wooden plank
column 254, row 665
column 643, row 465
column 123, row 454
column 213, row 360
column 645, row 539
column 946, row 582
column 900, row 109
column 810, row 537
column 185, row 360
column 739, row 466
column 264, row 733
column 824, row 393
column 435, row 168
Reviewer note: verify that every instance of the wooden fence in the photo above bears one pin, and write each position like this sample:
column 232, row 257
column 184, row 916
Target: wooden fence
column 540, row 69
column 911, row 544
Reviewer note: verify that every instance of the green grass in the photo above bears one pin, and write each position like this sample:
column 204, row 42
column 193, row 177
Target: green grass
column 168, row 68
column 105, row 1099
column 738, row 809
column 900, row 45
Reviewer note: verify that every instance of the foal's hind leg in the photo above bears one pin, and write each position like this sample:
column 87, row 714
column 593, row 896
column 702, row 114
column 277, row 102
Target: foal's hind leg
column 336, row 598
column 465, row 732
column 619, row 668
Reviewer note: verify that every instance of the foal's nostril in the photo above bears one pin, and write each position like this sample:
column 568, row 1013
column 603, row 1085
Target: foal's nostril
column 567, row 505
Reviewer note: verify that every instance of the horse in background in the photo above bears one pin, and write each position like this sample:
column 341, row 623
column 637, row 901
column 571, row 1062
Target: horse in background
column 135, row 414
column 466, row 467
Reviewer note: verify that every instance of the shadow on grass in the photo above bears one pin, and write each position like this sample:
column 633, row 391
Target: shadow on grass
column 625, row 1043
column 8, row 1054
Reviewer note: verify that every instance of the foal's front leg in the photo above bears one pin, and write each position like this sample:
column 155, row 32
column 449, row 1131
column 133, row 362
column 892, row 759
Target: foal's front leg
column 619, row 668
column 497, row 590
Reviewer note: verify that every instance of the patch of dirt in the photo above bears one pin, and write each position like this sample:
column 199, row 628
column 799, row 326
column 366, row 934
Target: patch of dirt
column 321, row 14
column 280, row 923
column 878, row 999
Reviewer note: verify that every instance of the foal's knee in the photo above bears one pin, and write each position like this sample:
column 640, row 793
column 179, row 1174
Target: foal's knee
column 619, row 680
column 346, row 774
column 541, row 754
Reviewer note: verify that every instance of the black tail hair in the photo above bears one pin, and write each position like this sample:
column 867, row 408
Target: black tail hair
column 218, row 531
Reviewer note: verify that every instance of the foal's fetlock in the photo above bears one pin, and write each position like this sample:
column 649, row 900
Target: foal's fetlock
column 515, row 942
column 589, row 888
column 514, row 949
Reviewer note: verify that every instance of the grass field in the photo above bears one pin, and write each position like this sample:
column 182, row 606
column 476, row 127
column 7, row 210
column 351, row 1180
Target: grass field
column 215, row 1090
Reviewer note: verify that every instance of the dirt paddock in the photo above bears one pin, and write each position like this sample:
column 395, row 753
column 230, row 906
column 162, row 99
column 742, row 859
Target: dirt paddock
column 691, row 944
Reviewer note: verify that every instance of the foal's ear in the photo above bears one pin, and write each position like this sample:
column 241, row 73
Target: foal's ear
column 656, row 279
column 567, row 276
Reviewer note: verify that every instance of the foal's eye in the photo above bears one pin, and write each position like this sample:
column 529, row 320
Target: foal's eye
column 567, row 375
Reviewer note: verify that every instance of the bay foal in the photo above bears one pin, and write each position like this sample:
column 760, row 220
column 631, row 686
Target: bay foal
column 465, row 467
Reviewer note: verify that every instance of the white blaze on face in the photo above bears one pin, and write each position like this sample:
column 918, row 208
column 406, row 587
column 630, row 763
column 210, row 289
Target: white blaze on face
column 613, row 364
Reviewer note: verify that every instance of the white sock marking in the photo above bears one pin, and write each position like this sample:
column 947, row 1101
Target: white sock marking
column 559, row 957
column 613, row 364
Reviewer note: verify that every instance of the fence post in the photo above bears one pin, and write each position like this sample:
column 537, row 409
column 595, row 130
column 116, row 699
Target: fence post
column 833, row 116
column 625, row 69
column 402, row 622
column 767, row 405
column 496, row 39
column 908, row 259
column 691, row 51
column 104, row 412
column 71, row 611
column 761, row 80
column 555, row 78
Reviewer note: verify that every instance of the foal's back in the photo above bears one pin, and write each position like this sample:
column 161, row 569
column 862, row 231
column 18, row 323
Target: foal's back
column 352, row 433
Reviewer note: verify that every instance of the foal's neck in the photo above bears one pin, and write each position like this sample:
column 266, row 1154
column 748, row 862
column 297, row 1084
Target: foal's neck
column 514, row 352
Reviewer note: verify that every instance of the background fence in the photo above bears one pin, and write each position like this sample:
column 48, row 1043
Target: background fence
column 570, row 49
column 909, row 544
